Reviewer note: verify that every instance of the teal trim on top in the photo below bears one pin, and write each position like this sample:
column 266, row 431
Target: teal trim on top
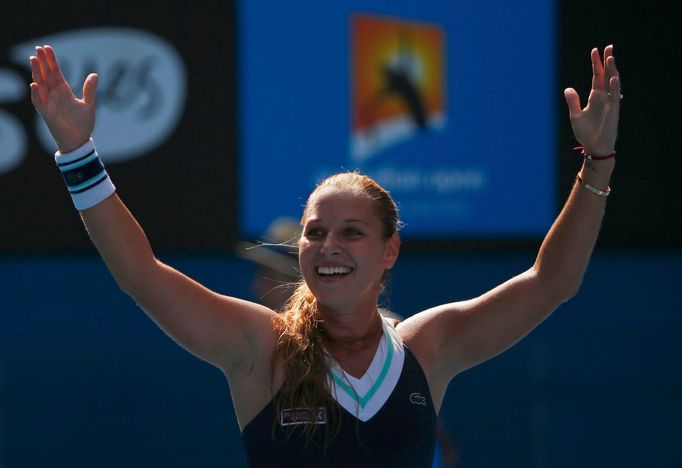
column 76, row 165
column 362, row 401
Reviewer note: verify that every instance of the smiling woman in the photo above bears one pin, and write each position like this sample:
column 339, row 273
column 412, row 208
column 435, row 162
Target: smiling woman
column 349, row 241
column 350, row 233
column 328, row 381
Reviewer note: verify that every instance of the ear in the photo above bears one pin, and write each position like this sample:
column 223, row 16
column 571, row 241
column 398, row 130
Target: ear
column 392, row 250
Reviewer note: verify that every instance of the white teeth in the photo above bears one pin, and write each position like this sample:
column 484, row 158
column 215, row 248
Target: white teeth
column 335, row 270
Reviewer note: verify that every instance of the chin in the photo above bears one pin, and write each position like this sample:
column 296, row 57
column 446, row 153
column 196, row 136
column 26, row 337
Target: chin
column 330, row 301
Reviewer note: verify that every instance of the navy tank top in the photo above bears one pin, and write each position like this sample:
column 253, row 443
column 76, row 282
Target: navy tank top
column 400, row 434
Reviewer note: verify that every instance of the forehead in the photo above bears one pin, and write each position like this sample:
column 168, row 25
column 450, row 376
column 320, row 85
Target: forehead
column 344, row 203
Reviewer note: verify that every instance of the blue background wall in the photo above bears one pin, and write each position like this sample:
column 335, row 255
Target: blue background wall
column 87, row 380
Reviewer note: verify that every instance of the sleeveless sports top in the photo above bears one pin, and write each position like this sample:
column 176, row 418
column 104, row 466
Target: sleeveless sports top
column 387, row 419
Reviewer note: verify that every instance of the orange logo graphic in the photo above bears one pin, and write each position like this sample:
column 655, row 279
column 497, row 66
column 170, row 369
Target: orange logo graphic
column 397, row 81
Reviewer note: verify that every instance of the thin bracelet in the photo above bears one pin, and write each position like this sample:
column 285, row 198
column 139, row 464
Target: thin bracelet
column 594, row 190
column 592, row 157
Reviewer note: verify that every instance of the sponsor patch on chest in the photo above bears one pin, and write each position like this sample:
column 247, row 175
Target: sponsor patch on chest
column 294, row 416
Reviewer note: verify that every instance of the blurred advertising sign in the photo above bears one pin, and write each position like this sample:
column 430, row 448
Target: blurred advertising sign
column 141, row 93
column 432, row 98
column 151, row 138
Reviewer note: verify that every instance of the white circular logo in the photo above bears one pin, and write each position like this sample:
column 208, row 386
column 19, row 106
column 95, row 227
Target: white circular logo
column 12, row 135
column 141, row 90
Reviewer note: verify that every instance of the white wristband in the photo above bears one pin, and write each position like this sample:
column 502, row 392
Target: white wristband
column 85, row 176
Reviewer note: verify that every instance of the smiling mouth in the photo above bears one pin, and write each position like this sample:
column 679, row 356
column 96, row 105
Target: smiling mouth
column 335, row 271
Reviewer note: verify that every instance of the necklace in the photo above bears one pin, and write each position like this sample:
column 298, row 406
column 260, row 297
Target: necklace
column 370, row 335
column 354, row 355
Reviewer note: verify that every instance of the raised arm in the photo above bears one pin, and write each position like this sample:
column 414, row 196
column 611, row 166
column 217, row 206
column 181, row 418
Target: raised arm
column 469, row 332
column 218, row 329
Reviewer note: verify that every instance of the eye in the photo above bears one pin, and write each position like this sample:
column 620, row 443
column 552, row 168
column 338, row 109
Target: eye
column 314, row 232
column 352, row 232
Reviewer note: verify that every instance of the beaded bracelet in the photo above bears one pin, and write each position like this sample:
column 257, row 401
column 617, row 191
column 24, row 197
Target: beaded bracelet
column 594, row 190
column 592, row 157
column 85, row 176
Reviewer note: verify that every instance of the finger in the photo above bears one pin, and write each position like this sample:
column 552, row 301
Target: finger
column 573, row 101
column 611, row 69
column 38, row 89
column 90, row 88
column 608, row 52
column 35, row 96
column 38, row 94
column 597, row 70
column 614, row 88
column 53, row 65
column 612, row 78
column 42, row 62
column 36, row 73
column 609, row 59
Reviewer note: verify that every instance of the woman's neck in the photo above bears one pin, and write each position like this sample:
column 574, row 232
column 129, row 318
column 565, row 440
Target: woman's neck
column 350, row 332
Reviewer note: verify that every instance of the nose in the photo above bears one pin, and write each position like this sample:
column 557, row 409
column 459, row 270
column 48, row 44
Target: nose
column 330, row 246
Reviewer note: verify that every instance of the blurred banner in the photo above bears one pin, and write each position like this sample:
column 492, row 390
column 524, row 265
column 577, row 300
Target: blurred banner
column 449, row 104
column 165, row 121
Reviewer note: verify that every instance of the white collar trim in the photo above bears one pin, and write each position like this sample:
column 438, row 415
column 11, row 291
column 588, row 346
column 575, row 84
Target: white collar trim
column 365, row 396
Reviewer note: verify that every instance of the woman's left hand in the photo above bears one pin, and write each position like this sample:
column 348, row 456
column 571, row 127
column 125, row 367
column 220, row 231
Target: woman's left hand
column 596, row 126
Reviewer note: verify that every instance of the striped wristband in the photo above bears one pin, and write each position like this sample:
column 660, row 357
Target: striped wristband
column 85, row 176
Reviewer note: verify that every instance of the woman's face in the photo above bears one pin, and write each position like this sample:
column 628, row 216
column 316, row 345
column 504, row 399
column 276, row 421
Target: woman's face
column 343, row 252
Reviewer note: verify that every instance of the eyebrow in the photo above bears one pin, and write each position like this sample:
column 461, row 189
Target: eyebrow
column 350, row 220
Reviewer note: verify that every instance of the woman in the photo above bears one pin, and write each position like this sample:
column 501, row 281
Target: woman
column 327, row 381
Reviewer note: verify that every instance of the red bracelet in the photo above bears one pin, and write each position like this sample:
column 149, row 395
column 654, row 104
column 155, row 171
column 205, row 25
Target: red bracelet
column 594, row 158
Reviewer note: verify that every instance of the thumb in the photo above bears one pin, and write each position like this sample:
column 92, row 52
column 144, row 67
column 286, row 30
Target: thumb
column 90, row 88
column 572, row 100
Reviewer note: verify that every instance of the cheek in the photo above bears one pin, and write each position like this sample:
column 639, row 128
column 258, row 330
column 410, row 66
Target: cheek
column 304, row 256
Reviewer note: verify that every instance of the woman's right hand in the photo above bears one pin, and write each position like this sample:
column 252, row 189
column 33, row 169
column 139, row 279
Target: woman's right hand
column 70, row 120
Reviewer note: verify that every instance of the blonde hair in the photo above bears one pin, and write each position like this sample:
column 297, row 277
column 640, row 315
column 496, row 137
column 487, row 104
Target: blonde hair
column 299, row 350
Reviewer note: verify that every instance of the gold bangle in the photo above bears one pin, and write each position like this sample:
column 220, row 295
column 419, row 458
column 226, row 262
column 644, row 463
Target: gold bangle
column 594, row 190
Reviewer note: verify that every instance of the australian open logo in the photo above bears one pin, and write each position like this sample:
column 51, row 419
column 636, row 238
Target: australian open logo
column 296, row 416
column 397, row 82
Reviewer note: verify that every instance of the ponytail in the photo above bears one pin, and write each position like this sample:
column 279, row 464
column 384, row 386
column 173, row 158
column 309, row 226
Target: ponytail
column 300, row 354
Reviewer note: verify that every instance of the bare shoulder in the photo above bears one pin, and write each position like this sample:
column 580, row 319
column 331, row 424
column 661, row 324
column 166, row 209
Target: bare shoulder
column 248, row 372
column 451, row 338
column 421, row 328
column 423, row 334
column 257, row 331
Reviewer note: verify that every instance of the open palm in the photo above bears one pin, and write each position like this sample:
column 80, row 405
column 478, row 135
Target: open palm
column 69, row 119
column 596, row 126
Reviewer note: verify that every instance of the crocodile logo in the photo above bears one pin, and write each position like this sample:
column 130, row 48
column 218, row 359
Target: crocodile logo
column 417, row 399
